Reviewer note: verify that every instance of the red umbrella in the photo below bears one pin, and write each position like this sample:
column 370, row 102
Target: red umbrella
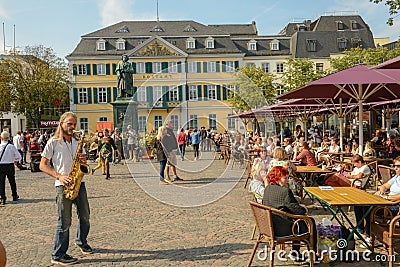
column 393, row 63
column 360, row 84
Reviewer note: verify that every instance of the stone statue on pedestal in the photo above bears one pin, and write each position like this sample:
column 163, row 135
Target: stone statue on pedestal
column 124, row 72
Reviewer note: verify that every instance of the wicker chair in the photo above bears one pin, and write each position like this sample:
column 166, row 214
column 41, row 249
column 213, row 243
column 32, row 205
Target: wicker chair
column 386, row 229
column 263, row 218
column 385, row 174
column 247, row 165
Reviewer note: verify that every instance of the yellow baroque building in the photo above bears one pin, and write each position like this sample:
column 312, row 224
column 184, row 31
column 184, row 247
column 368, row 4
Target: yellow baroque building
column 183, row 72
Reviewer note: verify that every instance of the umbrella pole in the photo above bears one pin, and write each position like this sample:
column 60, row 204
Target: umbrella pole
column 360, row 127
column 341, row 132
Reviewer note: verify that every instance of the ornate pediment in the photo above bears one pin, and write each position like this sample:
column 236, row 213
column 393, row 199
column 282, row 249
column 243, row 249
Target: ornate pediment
column 156, row 49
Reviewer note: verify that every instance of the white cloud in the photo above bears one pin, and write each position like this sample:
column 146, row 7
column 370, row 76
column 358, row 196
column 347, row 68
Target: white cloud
column 113, row 11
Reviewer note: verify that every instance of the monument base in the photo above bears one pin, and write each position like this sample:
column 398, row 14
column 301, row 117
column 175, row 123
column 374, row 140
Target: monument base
column 125, row 113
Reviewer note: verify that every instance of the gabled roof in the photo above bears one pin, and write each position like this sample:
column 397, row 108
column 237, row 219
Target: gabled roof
column 148, row 28
column 238, row 29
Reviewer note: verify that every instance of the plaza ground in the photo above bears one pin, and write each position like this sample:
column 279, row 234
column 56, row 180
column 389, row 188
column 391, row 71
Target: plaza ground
column 137, row 222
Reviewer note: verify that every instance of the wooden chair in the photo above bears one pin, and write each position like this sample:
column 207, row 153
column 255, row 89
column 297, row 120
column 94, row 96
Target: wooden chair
column 263, row 218
column 247, row 165
column 385, row 173
column 386, row 229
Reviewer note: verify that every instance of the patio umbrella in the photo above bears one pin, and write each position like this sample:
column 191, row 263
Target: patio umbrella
column 360, row 84
column 393, row 63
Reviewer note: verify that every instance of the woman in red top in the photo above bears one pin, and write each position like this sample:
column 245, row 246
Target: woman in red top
column 182, row 140
column 306, row 157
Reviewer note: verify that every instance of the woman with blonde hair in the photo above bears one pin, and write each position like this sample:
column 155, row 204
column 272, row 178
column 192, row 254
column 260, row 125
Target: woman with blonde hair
column 368, row 150
column 281, row 158
column 259, row 181
column 161, row 157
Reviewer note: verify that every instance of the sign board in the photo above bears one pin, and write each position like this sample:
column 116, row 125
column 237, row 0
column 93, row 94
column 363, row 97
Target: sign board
column 49, row 123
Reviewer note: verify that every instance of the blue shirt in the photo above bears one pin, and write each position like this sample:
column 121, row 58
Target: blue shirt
column 195, row 138
column 394, row 185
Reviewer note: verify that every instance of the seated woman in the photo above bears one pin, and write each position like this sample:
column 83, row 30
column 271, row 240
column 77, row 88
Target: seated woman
column 369, row 151
column 277, row 195
column 360, row 172
column 281, row 159
column 263, row 158
column 393, row 186
column 257, row 185
column 306, row 157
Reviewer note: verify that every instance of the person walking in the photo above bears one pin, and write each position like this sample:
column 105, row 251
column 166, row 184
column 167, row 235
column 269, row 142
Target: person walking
column 105, row 151
column 61, row 150
column 131, row 143
column 160, row 153
column 195, row 137
column 170, row 145
column 182, row 139
column 117, row 137
column 19, row 144
column 9, row 156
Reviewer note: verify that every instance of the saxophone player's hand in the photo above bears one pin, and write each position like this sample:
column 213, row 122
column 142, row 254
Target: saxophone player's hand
column 64, row 179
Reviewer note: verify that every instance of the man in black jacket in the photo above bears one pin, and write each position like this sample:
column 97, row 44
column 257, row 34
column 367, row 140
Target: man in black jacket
column 170, row 145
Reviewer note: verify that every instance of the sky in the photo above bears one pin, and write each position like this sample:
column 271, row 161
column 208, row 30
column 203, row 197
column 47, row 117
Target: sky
column 59, row 24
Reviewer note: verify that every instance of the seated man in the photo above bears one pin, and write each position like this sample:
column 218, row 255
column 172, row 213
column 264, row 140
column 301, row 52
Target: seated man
column 360, row 172
column 334, row 148
column 393, row 186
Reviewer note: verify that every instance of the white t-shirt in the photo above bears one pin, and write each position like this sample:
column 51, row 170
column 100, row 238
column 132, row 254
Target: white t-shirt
column 62, row 154
column 365, row 170
column 131, row 135
column 10, row 155
column 17, row 142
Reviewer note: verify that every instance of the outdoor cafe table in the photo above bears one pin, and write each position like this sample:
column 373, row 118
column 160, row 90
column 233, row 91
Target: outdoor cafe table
column 305, row 174
column 336, row 199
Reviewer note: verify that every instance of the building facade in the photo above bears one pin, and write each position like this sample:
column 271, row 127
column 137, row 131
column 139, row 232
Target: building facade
column 183, row 70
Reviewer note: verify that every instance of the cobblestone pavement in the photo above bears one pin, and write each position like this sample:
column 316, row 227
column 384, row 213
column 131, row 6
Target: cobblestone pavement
column 137, row 222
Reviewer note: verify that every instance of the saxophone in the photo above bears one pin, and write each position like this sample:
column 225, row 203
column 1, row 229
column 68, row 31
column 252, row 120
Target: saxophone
column 78, row 170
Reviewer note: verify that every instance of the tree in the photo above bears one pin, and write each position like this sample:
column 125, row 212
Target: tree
column 298, row 72
column 370, row 56
column 254, row 89
column 394, row 7
column 34, row 79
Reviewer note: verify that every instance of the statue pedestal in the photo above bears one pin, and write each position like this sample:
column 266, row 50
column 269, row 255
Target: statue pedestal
column 125, row 113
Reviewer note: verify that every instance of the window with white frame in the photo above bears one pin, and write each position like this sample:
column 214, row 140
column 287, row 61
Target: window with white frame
column 82, row 69
column 101, row 69
column 211, row 66
column 193, row 121
column 121, row 44
column 101, row 45
column 175, row 121
column 231, row 123
column 102, row 95
column 354, row 25
column 274, row 45
column 340, row 25
column 82, row 95
column 157, row 67
column 140, row 67
column 190, row 43
column 192, row 66
column 280, row 89
column 230, row 66
column 193, row 92
column 172, row 67
column 142, row 121
column 252, row 45
column 157, row 96
column 212, row 92
column 342, row 44
column 212, row 121
column 103, row 118
column 158, row 121
column 210, row 42
column 231, row 87
column 141, row 94
column 280, row 67
column 84, row 124
column 173, row 93
column 265, row 67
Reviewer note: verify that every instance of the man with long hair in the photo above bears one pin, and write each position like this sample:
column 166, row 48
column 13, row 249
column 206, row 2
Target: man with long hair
column 61, row 149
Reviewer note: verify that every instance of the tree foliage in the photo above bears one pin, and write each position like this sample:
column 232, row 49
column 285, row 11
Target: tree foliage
column 254, row 89
column 298, row 72
column 370, row 56
column 32, row 80
column 394, row 7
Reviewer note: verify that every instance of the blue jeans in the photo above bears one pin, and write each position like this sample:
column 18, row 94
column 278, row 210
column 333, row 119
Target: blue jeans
column 64, row 206
column 163, row 163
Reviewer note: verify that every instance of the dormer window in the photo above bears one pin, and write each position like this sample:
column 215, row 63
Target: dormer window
column 340, row 25
column 123, row 29
column 101, row 45
column 252, row 45
column 274, row 45
column 354, row 25
column 190, row 28
column 120, row 44
column 157, row 28
column 191, row 43
column 210, row 42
